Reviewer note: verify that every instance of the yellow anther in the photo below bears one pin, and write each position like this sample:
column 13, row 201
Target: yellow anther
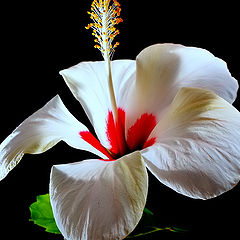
column 105, row 15
column 116, row 44
column 118, row 20
column 89, row 25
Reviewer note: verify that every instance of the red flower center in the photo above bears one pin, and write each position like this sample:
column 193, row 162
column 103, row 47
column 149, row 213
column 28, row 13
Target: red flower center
column 122, row 142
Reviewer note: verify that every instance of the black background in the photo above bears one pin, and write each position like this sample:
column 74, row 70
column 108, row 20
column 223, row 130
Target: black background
column 39, row 39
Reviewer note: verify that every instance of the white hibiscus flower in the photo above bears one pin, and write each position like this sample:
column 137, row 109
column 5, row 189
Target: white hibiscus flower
column 169, row 111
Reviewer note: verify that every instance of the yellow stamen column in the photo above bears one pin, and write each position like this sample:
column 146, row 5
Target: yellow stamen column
column 104, row 18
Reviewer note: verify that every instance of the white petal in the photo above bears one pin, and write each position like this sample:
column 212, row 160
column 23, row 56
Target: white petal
column 41, row 131
column 197, row 151
column 163, row 69
column 89, row 84
column 95, row 199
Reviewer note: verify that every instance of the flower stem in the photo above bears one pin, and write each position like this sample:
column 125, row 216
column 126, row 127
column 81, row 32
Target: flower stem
column 155, row 229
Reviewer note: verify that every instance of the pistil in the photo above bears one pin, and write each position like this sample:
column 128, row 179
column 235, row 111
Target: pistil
column 111, row 91
column 105, row 18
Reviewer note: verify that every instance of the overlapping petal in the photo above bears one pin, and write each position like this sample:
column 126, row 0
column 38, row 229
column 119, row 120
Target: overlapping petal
column 163, row 69
column 41, row 131
column 96, row 199
column 88, row 82
column 197, row 151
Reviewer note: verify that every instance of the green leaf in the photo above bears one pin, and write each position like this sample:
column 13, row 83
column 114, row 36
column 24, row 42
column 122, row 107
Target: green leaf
column 147, row 219
column 42, row 214
column 147, row 211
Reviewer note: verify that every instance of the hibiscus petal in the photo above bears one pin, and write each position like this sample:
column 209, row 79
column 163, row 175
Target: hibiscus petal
column 89, row 84
column 41, row 131
column 163, row 69
column 197, row 151
column 96, row 199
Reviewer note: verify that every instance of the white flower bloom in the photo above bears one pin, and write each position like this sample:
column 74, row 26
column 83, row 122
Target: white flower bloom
column 174, row 116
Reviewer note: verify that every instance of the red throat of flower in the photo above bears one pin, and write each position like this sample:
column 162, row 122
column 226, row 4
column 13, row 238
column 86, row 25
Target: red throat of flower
column 122, row 142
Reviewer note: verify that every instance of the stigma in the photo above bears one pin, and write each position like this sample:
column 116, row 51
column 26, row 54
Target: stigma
column 105, row 18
